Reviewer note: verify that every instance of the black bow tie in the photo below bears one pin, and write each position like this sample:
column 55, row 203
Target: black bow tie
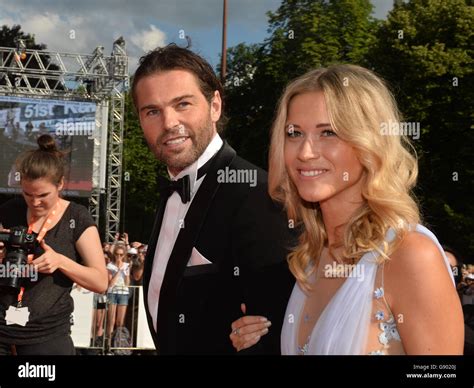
column 182, row 186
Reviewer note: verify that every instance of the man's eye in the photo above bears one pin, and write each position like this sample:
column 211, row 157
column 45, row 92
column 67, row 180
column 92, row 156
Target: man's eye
column 152, row 112
column 183, row 104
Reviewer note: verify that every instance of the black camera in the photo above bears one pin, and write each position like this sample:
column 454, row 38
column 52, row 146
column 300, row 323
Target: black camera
column 19, row 244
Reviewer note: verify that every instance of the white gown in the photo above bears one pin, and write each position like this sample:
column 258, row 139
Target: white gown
column 343, row 326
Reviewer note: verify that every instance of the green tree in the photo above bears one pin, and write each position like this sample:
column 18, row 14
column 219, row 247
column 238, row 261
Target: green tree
column 140, row 193
column 9, row 37
column 424, row 49
column 241, row 100
column 304, row 34
column 307, row 34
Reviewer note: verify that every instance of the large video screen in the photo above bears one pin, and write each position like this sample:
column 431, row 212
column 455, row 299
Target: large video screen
column 71, row 123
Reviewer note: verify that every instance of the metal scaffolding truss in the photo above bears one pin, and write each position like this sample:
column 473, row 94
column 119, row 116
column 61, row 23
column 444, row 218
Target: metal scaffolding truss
column 94, row 77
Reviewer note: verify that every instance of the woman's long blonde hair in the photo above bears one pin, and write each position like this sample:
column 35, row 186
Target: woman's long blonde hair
column 358, row 104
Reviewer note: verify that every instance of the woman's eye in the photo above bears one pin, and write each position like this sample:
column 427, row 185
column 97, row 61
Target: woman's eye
column 292, row 132
column 328, row 132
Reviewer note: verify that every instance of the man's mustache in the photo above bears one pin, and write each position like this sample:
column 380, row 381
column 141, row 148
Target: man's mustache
column 172, row 133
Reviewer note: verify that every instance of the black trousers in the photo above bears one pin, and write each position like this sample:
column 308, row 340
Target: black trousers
column 60, row 346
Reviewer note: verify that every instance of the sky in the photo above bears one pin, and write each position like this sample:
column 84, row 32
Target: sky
column 78, row 26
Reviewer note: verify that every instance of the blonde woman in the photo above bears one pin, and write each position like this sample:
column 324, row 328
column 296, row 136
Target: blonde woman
column 370, row 278
column 118, row 291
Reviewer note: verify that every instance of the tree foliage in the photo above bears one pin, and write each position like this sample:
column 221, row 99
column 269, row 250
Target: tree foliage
column 424, row 49
column 140, row 192
column 9, row 37
column 304, row 34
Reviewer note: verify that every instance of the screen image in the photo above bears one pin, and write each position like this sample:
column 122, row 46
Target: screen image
column 70, row 123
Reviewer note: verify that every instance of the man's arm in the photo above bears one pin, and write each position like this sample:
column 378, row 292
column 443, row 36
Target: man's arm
column 261, row 243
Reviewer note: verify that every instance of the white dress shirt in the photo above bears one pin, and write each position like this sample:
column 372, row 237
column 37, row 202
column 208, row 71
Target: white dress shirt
column 173, row 221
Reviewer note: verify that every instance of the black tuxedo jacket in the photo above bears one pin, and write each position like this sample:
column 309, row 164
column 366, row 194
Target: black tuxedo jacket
column 246, row 237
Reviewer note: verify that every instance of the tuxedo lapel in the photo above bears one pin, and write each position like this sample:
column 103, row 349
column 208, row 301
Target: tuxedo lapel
column 188, row 234
column 153, row 241
column 149, row 259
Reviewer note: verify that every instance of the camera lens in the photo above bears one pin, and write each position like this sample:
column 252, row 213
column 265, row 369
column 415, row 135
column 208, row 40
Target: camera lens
column 16, row 261
column 19, row 244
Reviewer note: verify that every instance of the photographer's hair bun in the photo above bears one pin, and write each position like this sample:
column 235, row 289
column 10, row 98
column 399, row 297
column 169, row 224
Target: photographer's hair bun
column 47, row 143
column 46, row 161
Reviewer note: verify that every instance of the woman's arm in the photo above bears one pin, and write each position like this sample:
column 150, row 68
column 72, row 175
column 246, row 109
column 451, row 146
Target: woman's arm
column 127, row 276
column 423, row 298
column 113, row 278
column 92, row 276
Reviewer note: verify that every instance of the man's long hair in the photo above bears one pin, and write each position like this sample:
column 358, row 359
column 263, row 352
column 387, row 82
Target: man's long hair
column 173, row 57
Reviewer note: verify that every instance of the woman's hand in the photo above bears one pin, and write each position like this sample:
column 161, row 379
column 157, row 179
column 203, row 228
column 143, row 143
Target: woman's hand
column 49, row 261
column 248, row 330
column 125, row 269
column 3, row 252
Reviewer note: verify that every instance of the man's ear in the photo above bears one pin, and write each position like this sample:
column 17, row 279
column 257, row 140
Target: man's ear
column 216, row 107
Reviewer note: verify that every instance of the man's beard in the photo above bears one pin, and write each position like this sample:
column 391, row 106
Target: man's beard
column 200, row 140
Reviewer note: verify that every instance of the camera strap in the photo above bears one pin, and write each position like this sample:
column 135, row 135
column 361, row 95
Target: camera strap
column 20, row 296
column 42, row 232
column 45, row 227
